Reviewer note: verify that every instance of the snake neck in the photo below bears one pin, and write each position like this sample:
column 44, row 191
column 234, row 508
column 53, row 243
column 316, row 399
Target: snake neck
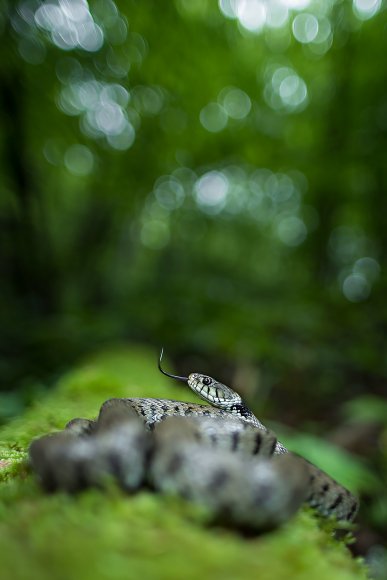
column 241, row 410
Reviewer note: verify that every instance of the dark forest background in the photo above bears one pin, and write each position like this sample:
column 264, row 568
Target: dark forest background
column 211, row 177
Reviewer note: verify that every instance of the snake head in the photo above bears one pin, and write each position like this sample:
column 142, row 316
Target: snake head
column 212, row 391
column 209, row 389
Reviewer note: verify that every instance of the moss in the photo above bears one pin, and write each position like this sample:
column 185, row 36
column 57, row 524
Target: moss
column 110, row 535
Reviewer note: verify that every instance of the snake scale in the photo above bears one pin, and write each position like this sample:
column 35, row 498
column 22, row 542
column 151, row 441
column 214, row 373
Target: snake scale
column 220, row 456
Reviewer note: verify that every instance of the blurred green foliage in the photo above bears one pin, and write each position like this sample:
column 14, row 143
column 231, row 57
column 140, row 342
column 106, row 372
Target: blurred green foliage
column 210, row 176
column 192, row 175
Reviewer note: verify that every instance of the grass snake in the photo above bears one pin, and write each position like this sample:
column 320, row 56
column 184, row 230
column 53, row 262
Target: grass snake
column 219, row 455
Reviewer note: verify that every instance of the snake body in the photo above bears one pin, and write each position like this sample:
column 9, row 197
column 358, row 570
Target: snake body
column 220, row 456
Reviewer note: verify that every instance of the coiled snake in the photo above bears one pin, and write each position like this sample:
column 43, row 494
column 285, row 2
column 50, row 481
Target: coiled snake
column 220, row 456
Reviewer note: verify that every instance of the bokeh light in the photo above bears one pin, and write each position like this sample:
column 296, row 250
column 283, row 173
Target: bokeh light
column 79, row 160
column 211, row 191
column 102, row 108
column 251, row 14
column 367, row 267
column 356, row 288
column 291, row 231
column 285, row 89
column 365, row 9
column 70, row 25
column 169, row 192
column 305, row 27
column 235, row 102
column 213, row 117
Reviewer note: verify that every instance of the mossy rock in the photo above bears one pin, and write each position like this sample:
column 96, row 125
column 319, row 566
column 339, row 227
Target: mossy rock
column 109, row 535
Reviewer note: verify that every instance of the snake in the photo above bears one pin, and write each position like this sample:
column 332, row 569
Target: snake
column 218, row 455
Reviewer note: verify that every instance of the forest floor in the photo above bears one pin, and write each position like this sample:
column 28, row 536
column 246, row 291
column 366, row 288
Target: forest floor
column 110, row 535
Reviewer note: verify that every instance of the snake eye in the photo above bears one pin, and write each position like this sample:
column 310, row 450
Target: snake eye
column 206, row 381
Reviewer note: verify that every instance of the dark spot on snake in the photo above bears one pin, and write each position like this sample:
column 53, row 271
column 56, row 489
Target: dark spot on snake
column 257, row 445
column 82, row 480
column 115, row 465
column 165, row 408
column 177, row 408
column 325, row 487
column 139, row 440
column 337, row 502
column 49, row 480
column 235, row 440
column 213, row 438
column 236, row 409
column 262, row 495
column 175, row 463
column 188, row 411
column 218, row 479
column 241, row 410
column 312, row 477
column 352, row 511
column 142, row 412
column 92, row 427
column 273, row 446
column 206, row 413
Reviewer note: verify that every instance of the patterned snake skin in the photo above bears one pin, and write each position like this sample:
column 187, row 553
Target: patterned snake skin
column 219, row 456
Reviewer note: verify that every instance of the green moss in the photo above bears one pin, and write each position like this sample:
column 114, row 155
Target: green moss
column 110, row 535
